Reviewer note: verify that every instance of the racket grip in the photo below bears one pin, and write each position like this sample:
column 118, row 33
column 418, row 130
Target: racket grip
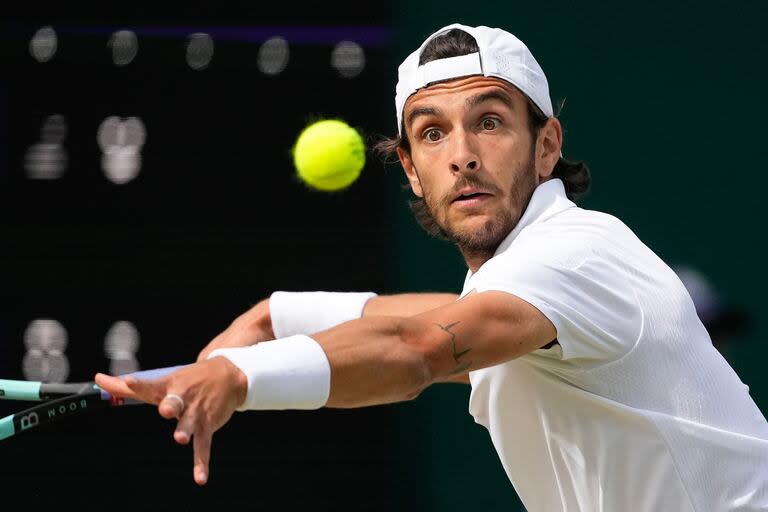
column 154, row 373
column 151, row 374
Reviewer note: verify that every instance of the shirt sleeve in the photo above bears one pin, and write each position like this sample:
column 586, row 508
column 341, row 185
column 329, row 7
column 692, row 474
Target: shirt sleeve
column 591, row 303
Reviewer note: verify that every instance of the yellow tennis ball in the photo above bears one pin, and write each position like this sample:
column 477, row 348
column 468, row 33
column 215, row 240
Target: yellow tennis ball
column 329, row 155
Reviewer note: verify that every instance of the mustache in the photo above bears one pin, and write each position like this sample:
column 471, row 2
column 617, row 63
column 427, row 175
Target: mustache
column 472, row 181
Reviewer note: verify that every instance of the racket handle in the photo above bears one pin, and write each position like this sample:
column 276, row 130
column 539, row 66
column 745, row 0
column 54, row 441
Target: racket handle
column 155, row 372
column 152, row 374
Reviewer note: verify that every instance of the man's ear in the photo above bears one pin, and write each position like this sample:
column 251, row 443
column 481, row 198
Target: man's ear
column 410, row 171
column 548, row 147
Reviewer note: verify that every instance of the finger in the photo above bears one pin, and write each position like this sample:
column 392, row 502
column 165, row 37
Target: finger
column 185, row 428
column 202, row 454
column 171, row 406
column 115, row 386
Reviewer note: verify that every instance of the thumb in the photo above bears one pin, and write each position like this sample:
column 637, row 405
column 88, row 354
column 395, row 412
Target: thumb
column 115, row 386
column 150, row 391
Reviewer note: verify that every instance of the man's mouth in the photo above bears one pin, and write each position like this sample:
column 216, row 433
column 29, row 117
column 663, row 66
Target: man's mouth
column 472, row 196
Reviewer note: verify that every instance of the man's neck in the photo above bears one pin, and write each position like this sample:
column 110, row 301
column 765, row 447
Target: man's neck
column 475, row 259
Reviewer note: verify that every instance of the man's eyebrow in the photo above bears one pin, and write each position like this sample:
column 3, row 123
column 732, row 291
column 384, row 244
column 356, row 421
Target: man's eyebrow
column 423, row 111
column 489, row 96
column 470, row 103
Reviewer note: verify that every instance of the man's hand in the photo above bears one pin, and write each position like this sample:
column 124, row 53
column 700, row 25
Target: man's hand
column 202, row 397
column 251, row 327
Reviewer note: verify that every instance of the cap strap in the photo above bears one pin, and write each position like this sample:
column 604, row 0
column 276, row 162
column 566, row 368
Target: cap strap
column 452, row 67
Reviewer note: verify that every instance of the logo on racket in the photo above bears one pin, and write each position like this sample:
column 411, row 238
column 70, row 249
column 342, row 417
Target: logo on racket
column 29, row 420
column 66, row 408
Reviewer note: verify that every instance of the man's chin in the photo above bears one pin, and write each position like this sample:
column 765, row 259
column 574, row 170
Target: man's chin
column 479, row 233
column 469, row 225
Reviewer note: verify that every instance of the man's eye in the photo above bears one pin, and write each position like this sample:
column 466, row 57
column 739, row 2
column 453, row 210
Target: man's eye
column 490, row 123
column 432, row 135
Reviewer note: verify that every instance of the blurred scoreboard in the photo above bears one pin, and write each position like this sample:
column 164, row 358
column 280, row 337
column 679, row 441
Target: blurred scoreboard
column 148, row 194
column 147, row 198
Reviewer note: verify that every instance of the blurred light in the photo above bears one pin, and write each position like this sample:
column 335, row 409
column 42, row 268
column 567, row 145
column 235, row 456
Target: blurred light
column 121, row 141
column 43, row 44
column 121, row 345
column 124, row 46
column 45, row 334
column 45, row 340
column 47, row 160
column 725, row 321
column 273, row 56
column 348, row 58
column 701, row 291
column 54, row 129
column 122, row 340
column 199, row 51
column 123, row 366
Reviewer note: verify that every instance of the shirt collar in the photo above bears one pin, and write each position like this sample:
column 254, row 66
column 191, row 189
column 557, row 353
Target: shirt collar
column 548, row 199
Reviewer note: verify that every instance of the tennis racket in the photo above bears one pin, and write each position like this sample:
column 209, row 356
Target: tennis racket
column 60, row 400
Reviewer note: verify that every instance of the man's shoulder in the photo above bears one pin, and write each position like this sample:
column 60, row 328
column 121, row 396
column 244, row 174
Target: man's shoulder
column 576, row 228
column 569, row 238
column 578, row 217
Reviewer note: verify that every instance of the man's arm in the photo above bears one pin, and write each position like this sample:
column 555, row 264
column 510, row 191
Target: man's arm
column 373, row 360
column 406, row 304
column 410, row 304
column 255, row 325
column 383, row 359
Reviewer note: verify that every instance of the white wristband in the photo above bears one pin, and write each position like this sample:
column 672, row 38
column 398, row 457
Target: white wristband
column 286, row 373
column 310, row 312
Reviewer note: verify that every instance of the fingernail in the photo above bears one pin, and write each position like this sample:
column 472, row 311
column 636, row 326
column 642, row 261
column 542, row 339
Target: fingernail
column 201, row 477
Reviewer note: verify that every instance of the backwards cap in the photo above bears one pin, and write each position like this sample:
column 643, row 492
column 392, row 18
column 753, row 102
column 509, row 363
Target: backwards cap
column 500, row 55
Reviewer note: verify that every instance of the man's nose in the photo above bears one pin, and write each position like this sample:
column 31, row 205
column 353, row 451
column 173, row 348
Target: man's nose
column 465, row 156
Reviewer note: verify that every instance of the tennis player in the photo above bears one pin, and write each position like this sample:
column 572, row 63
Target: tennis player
column 592, row 372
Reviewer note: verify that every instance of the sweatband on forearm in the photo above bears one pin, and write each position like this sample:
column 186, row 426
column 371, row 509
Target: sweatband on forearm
column 286, row 373
column 310, row 312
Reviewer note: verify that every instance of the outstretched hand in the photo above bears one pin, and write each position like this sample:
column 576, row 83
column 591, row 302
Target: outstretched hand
column 202, row 397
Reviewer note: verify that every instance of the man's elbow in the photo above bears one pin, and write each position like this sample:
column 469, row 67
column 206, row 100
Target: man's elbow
column 422, row 356
column 420, row 374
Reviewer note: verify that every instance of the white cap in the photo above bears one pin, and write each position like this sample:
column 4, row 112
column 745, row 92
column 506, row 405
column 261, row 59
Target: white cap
column 501, row 55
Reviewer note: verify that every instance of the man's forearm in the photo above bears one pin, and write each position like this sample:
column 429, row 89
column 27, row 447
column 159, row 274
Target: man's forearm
column 256, row 324
column 406, row 304
column 371, row 363
column 409, row 304
column 381, row 316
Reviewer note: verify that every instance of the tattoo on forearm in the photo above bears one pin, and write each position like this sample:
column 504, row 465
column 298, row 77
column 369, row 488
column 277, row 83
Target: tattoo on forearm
column 461, row 366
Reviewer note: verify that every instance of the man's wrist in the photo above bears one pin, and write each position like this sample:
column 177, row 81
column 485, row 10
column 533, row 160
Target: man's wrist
column 286, row 373
column 294, row 313
column 238, row 376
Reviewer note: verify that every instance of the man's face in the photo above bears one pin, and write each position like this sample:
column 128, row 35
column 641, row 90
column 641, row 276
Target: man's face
column 472, row 158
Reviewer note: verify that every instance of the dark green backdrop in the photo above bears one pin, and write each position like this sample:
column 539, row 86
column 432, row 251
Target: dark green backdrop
column 666, row 103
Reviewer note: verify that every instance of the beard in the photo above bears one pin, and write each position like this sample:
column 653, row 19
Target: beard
column 484, row 241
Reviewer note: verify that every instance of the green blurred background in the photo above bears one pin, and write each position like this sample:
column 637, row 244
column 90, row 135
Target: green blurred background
column 663, row 100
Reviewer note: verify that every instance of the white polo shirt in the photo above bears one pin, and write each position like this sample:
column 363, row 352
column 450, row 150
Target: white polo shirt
column 634, row 410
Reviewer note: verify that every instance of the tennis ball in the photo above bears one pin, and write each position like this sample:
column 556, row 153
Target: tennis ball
column 329, row 155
